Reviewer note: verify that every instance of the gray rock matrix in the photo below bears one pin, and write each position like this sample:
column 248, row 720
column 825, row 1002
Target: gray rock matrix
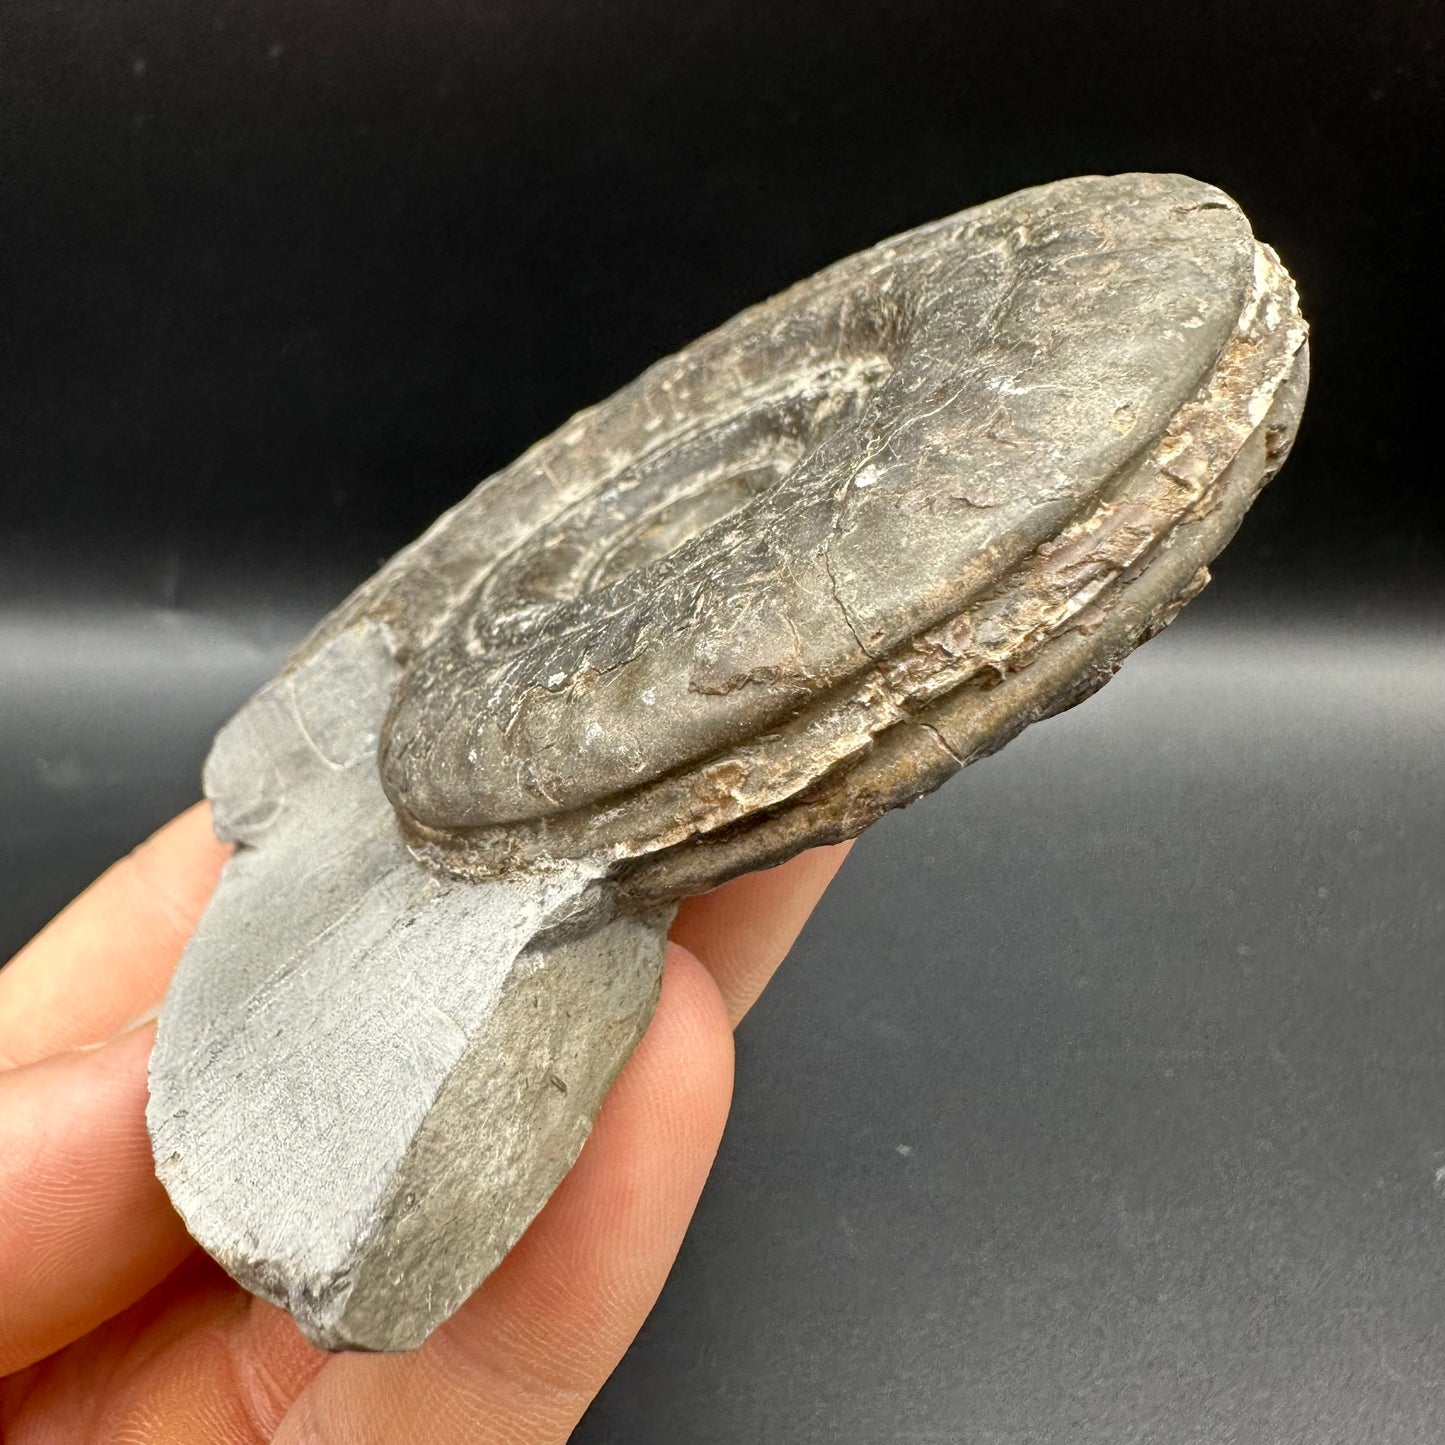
column 796, row 575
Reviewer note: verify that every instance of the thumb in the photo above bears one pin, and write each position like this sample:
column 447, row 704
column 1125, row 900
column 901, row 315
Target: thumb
column 523, row 1358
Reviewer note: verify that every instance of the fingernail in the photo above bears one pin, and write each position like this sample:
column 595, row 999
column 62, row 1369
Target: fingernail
column 138, row 1022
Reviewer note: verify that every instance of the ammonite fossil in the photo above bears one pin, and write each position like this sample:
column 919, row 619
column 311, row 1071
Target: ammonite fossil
column 794, row 576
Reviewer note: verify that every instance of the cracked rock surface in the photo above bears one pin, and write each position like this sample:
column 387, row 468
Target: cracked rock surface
column 794, row 576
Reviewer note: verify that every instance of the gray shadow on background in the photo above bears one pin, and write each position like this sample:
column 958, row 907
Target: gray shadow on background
column 1104, row 1102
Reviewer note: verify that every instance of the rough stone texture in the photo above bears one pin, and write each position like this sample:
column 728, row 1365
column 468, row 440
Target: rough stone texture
column 368, row 1077
column 794, row 576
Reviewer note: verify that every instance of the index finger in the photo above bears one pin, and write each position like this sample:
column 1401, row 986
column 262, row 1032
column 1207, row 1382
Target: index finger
column 107, row 957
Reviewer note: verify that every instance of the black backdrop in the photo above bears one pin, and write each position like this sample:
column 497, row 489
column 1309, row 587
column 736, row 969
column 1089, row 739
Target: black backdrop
column 1103, row 1104
column 289, row 275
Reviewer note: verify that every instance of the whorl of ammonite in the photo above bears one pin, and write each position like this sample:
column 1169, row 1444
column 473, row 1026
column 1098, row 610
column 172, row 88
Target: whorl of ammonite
column 852, row 540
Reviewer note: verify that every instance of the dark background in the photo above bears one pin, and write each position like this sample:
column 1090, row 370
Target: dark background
column 1105, row 1103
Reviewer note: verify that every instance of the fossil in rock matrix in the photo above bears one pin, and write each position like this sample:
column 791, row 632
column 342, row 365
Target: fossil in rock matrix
column 792, row 577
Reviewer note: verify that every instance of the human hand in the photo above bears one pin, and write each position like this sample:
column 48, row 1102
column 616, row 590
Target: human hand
column 115, row 1327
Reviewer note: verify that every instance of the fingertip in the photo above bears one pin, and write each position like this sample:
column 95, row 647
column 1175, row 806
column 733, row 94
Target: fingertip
column 743, row 930
column 691, row 1032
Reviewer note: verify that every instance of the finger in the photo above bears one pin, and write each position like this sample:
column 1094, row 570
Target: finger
column 109, row 955
column 197, row 1360
column 523, row 1358
column 742, row 931
column 200, row 1362
column 85, row 1228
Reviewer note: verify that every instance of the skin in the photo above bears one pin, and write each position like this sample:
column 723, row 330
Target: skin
column 115, row 1328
